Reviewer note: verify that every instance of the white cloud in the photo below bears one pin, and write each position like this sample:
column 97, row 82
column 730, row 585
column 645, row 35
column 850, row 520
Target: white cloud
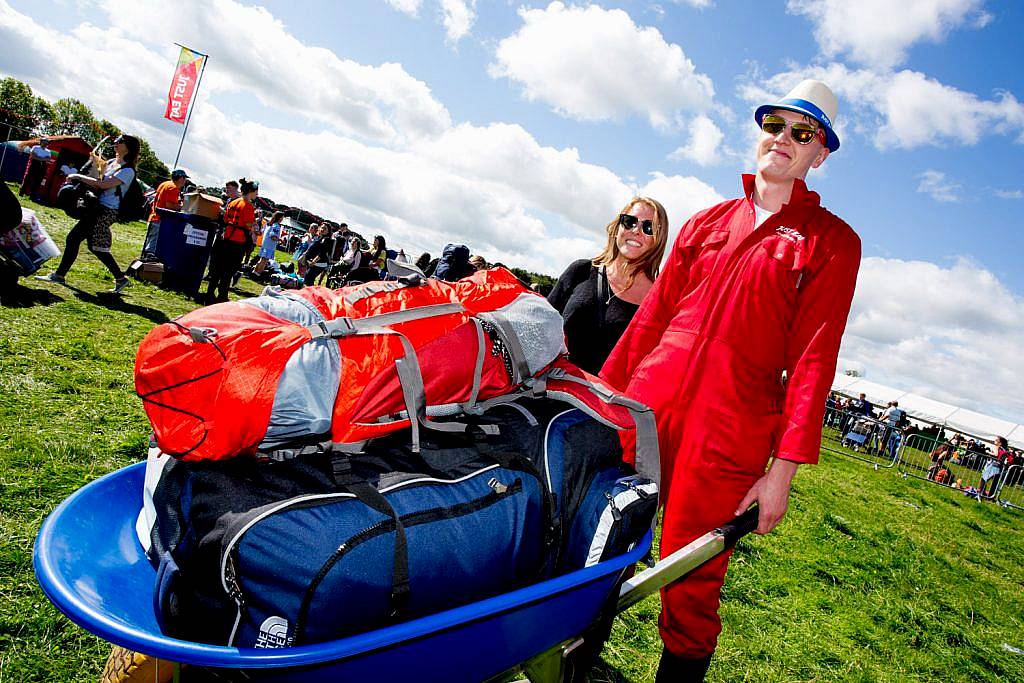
column 951, row 334
column 904, row 109
column 938, row 187
column 555, row 180
column 493, row 186
column 1010, row 194
column 593, row 64
column 458, row 17
column 698, row 4
column 410, row 7
column 879, row 32
column 382, row 103
column 681, row 196
column 703, row 146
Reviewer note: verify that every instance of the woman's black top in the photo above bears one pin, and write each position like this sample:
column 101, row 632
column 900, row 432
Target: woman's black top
column 575, row 296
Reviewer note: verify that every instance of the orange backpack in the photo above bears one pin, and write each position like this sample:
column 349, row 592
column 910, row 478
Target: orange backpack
column 290, row 372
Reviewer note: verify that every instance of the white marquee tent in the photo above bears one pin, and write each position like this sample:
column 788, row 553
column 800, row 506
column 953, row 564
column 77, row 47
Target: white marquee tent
column 953, row 417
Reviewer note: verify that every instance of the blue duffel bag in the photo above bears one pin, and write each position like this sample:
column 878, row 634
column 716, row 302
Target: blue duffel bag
column 314, row 548
column 273, row 554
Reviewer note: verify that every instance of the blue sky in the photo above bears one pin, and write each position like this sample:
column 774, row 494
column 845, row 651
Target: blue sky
column 520, row 128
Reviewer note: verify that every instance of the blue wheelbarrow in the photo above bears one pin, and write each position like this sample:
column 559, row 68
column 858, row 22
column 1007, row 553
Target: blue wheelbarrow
column 90, row 565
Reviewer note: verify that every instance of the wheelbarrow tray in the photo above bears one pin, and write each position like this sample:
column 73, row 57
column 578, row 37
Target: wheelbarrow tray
column 90, row 565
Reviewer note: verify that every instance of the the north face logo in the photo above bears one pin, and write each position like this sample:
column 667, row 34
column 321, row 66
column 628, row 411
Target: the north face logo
column 273, row 633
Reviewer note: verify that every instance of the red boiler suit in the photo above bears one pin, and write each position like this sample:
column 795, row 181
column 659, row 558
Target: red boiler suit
column 733, row 308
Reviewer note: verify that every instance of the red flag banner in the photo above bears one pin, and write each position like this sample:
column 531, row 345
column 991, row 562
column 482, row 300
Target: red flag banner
column 183, row 86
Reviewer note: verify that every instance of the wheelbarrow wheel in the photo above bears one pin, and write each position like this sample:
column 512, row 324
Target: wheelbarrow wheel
column 125, row 666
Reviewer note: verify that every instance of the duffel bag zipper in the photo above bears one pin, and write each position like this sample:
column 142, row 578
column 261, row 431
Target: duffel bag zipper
column 233, row 588
column 500, row 492
column 228, row 566
column 315, row 499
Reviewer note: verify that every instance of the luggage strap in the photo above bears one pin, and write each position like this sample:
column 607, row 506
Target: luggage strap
column 409, row 374
column 371, row 497
column 648, row 454
column 346, row 327
column 373, row 288
column 282, row 454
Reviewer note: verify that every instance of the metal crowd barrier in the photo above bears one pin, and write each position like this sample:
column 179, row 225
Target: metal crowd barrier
column 1011, row 489
column 878, row 444
column 957, row 470
column 860, row 437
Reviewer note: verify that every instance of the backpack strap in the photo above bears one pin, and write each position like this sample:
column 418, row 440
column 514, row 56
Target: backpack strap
column 371, row 497
column 478, row 368
column 648, row 454
column 409, row 374
column 602, row 295
column 344, row 327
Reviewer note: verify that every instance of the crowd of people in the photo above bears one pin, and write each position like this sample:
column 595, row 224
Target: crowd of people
column 885, row 431
column 248, row 240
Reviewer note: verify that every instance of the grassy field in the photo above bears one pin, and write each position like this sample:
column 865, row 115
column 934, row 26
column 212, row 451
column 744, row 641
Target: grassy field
column 872, row 577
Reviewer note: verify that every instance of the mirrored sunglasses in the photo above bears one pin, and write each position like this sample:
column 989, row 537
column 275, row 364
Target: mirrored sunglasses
column 801, row 133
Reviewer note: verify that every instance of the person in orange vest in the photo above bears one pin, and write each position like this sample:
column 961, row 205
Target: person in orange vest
column 168, row 196
column 230, row 250
column 735, row 350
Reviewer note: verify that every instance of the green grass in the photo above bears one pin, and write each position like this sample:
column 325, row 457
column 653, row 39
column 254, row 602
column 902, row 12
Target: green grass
column 871, row 577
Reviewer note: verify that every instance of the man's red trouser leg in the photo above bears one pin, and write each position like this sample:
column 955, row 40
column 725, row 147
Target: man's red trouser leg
column 689, row 620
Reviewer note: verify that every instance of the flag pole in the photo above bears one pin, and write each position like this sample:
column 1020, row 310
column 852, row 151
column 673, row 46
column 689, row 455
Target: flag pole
column 195, row 97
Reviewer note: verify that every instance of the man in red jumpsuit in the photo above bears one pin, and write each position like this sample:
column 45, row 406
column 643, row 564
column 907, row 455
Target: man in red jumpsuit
column 735, row 350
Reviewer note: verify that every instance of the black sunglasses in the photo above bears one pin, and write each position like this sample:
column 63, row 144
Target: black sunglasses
column 629, row 222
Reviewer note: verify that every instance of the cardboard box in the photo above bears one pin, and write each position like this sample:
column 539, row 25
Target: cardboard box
column 147, row 271
column 199, row 204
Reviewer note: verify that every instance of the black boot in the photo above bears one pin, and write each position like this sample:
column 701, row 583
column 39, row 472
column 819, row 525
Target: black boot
column 673, row 669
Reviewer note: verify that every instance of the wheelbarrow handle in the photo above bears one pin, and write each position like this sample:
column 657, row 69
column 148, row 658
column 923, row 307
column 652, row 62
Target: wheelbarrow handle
column 686, row 559
column 740, row 526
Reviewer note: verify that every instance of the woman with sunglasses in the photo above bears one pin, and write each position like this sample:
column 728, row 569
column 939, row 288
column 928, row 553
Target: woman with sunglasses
column 735, row 350
column 598, row 297
column 94, row 229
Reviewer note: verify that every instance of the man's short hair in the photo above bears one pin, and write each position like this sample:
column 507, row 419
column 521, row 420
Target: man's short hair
column 231, row 183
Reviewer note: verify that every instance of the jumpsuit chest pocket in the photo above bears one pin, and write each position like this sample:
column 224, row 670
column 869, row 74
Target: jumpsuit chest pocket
column 703, row 250
column 786, row 257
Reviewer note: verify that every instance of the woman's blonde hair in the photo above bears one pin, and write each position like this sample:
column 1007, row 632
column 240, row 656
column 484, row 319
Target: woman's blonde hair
column 650, row 262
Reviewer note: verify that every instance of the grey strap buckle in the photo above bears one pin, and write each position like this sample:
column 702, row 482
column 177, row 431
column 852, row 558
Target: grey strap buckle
column 202, row 335
column 341, row 327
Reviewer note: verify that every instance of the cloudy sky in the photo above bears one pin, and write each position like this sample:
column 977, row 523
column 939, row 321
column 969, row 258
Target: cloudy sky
column 520, row 128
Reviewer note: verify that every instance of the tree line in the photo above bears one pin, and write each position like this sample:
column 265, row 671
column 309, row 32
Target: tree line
column 25, row 114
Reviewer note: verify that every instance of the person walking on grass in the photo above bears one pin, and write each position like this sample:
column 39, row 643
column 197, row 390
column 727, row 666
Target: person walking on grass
column 94, row 228
column 753, row 287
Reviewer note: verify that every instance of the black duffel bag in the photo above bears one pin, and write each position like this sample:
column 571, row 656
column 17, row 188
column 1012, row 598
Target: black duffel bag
column 77, row 199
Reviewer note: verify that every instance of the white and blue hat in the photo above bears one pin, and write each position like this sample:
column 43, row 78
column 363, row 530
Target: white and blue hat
column 811, row 98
